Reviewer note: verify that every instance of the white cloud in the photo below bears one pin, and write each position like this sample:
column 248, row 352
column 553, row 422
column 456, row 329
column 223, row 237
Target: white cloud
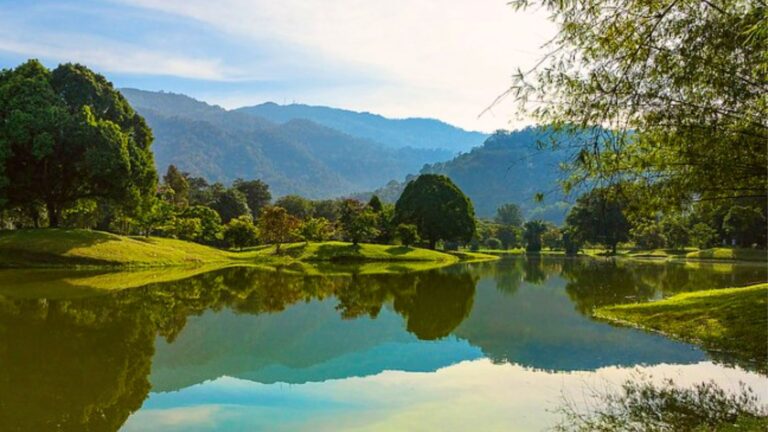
column 448, row 58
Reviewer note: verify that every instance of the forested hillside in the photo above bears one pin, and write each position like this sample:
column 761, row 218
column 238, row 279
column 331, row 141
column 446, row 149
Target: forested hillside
column 508, row 167
column 296, row 157
column 395, row 133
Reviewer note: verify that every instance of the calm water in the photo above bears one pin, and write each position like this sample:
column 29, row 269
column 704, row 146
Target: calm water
column 492, row 346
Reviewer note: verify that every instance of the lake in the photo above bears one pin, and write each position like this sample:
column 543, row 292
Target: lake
column 487, row 346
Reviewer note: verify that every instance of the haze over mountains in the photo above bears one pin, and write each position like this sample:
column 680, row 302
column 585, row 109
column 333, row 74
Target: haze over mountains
column 295, row 156
column 322, row 152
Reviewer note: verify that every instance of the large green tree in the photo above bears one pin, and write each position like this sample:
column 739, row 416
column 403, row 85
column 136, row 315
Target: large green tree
column 597, row 217
column 438, row 208
column 66, row 135
column 256, row 193
column 668, row 94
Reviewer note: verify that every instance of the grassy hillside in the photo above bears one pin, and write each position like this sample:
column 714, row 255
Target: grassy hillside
column 733, row 320
column 84, row 248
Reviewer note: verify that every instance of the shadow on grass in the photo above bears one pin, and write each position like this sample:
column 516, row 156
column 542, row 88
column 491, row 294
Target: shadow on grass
column 399, row 250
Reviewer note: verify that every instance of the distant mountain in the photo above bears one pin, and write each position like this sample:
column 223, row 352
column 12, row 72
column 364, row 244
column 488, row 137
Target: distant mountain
column 508, row 167
column 295, row 157
column 394, row 133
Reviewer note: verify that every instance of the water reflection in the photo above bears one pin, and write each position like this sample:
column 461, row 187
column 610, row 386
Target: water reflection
column 84, row 363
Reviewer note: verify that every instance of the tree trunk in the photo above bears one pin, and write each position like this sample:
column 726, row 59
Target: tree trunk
column 277, row 250
column 432, row 244
column 613, row 249
column 54, row 215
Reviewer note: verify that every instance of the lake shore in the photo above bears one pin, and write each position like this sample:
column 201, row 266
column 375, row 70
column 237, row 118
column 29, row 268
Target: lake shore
column 61, row 248
column 733, row 321
column 720, row 254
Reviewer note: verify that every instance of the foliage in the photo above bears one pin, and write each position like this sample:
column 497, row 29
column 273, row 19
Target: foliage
column 509, row 214
column 210, row 223
column 229, row 203
column 598, row 217
column 675, row 232
column 189, row 228
column 360, row 223
column 532, row 234
column 438, row 208
column 256, row 193
column 66, row 135
column 746, row 225
column 493, row 243
column 702, row 235
column 643, row 405
column 176, row 181
column 316, row 229
column 408, row 234
column 276, row 226
column 670, row 96
column 552, row 238
column 296, row 206
column 647, row 234
column 240, row 232
column 510, row 236
column 375, row 204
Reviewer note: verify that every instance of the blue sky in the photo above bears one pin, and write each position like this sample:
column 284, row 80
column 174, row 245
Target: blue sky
column 446, row 59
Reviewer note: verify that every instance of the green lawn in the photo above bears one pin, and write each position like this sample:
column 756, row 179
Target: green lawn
column 83, row 248
column 732, row 320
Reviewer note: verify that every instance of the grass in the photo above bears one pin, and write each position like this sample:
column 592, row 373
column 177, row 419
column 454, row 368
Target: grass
column 733, row 321
column 340, row 252
column 61, row 248
column 730, row 254
column 689, row 254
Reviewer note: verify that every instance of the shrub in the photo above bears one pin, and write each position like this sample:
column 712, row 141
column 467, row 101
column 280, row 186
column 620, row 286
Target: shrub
column 408, row 234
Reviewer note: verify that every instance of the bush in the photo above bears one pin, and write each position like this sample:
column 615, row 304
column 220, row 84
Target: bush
column 647, row 235
column 703, row 236
column 408, row 234
column 240, row 232
column 493, row 243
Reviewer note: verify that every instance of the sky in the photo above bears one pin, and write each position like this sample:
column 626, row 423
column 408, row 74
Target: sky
column 445, row 59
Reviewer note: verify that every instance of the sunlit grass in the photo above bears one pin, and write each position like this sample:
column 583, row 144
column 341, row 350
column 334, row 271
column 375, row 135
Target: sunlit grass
column 733, row 320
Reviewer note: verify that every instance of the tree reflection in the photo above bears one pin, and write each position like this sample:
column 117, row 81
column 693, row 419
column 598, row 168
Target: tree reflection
column 83, row 364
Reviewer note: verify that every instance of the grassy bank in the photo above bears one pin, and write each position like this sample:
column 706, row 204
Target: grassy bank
column 733, row 320
column 690, row 254
column 59, row 248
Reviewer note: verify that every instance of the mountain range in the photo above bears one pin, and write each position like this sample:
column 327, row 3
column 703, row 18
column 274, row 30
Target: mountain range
column 323, row 152
column 293, row 155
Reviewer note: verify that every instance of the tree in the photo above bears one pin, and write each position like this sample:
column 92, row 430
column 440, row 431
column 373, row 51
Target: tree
column 675, row 231
column 493, row 243
column 186, row 228
column 509, row 214
column 552, row 238
column 210, row 223
column 598, row 217
column 230, row 203
column 256, row 192
column 647, row 234
column 178, row 183
column 296, row 206
column 240, row 232
column 438, row 208
column 532, row 235
column 360, row 222
column 702, row 235
column 375, row 204
column 316, row 229
column 66, row 135
column 746, row 225
column 408, row 234
column 277, row 226
column 670, row 95
column 509, row 235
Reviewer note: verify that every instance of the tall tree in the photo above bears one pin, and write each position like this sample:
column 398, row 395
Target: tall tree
column 598, row 218
column 67, row 134
column 175, row 180
column 672, row 95
column 256, row 193
column 438, row 208
column 509, row 214
column 296, row 206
